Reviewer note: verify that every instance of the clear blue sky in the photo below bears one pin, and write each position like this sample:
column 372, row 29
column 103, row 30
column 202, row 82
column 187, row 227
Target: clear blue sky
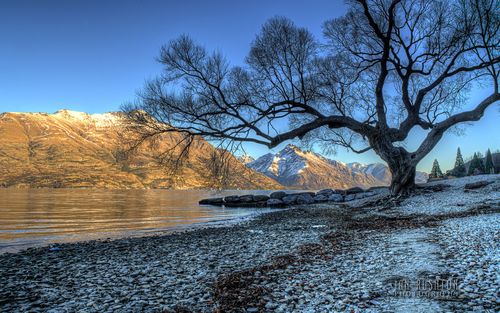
column 93, row 56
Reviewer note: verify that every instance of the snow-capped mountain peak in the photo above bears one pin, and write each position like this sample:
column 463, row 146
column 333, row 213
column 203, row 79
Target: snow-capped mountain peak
column 287, row 162
column 245, row 158
column 381, row 172
column 308, row 170
column 378, row 170
column 99, row 119
column 294, row 167
column 356, row 165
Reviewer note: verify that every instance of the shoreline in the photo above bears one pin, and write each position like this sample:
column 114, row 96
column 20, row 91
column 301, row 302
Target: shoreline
column 139, row 233
column 184, row 263
column 309, row 258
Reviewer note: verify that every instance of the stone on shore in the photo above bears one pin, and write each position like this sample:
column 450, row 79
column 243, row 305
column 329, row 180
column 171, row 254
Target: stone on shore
column 325, row 192
column 478, row 184
column 245, row 198
column 251, row 204
column 275, row 203
column 212, row 201
column 321, row 198
column 305, row 198
column 246, row 201
column 299, row 198
column 281, row 198
column 259, row 198
column 278, row 195
column 336, row 198
column 350, row 197
column 231, row 199
column 289, row 199
column 364, row 194
column 353, row 190
column 305, row 193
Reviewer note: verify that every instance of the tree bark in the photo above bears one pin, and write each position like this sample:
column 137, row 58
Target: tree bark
column 403, row 177
column 402, row 164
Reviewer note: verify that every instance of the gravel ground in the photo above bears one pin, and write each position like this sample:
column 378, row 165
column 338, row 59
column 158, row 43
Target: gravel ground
column 455, row 198
column 319, row 258
column 471, row 251
column 147, row 274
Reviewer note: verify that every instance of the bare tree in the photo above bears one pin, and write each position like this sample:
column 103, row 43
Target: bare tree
column 219, row 168
column 383, row 69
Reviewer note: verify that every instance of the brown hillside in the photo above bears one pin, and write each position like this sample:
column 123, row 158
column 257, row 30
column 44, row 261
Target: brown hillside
column 73, row 149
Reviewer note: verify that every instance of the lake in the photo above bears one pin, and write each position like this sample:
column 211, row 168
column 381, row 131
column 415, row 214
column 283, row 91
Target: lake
column 33, row 217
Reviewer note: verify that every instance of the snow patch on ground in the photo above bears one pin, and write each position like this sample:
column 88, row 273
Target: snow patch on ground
column 453, row 200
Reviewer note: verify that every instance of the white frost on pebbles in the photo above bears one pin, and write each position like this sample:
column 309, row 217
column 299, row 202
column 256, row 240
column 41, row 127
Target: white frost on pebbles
column 453, row 199
column 155, row 273
column 472, row 251
column 146, row 274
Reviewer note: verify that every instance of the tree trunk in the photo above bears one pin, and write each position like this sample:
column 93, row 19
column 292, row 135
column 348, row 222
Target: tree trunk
column 403, row 177
column 402, row 164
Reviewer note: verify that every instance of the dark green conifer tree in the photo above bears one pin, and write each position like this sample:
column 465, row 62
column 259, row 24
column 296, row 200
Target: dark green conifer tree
column 459, row 169
column 476, row 165
column 436, row 170
column 489, row 168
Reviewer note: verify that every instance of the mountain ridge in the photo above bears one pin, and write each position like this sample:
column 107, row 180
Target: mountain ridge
column 77, row 149
column 73, row 149
column 295, row 168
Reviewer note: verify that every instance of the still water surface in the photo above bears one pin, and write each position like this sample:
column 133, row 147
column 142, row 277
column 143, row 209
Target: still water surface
column 32, row 217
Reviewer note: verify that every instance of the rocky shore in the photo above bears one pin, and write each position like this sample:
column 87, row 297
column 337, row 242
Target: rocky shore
column 288, row 199
column 437, row 251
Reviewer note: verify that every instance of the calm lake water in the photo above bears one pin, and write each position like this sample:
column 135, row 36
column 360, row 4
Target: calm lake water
column 32, row 217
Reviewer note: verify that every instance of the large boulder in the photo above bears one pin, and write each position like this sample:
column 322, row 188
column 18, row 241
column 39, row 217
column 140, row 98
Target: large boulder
column 246, row 204
column 350, row 197
column 289, row 199
column 212, row 201
column 278, row 195
column 275, row 203
column 478, row 184
column 259, row 198
column 239, row 199
column 353, row 190
column 365, row 194
column 231, row 199
column 325, row 192
column 246, row 198
column 321, row 198
column 305, row 198
column 305, row 193
column 336, row 198
column 246, row 201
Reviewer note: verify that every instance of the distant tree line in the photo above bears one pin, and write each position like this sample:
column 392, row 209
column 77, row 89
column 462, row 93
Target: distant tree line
column 476, row 165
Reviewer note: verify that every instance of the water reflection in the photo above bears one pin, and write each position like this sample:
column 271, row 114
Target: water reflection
column 31, row 217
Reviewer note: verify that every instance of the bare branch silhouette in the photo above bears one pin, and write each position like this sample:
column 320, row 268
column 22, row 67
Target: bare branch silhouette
column 385, row 68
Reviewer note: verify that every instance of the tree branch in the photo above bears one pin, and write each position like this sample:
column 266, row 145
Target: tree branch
column 438, row 130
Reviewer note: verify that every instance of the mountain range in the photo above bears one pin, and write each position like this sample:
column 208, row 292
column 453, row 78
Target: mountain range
column 71, row 149
column 75, row 149
column 295, row 168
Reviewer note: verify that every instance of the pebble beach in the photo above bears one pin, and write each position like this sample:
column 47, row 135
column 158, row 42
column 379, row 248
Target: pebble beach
column 371, row 255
